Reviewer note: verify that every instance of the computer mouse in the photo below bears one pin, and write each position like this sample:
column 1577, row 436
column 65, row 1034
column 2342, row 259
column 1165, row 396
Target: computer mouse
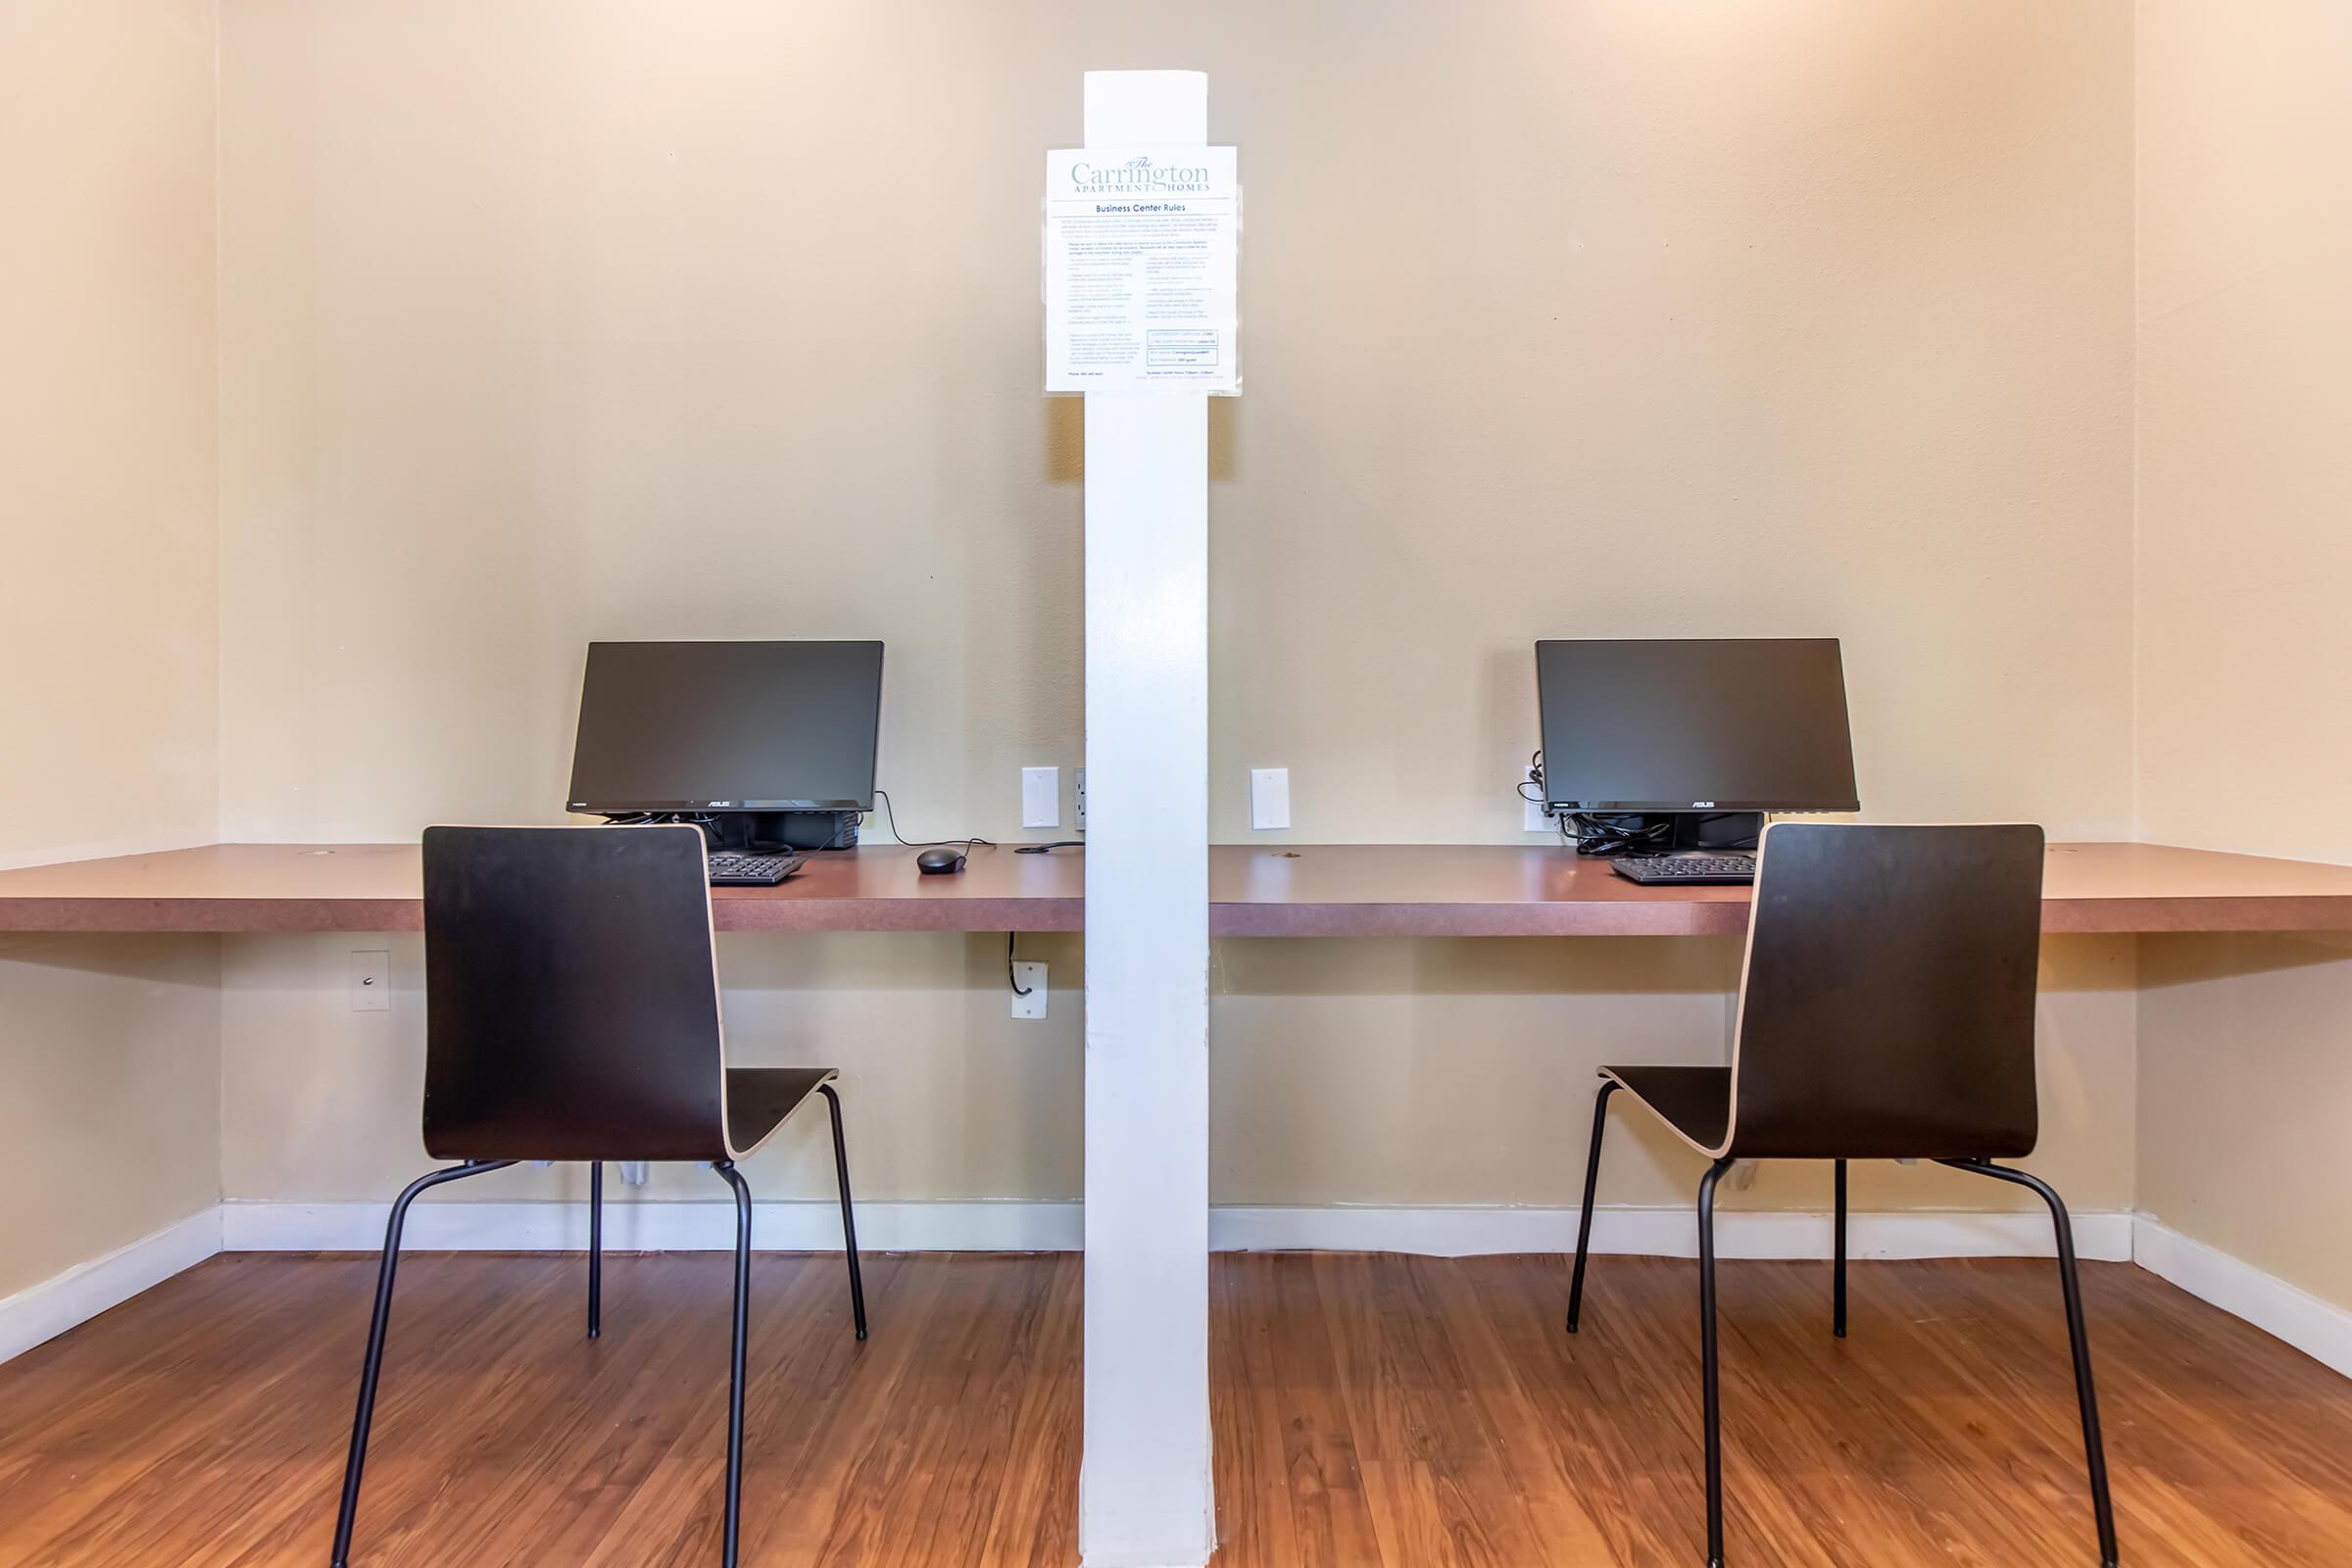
column 939, row 861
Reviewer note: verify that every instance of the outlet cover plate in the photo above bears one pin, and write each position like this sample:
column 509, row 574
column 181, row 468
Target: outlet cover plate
column 1041, row 797
column 1032, row 978
column 1269, row 798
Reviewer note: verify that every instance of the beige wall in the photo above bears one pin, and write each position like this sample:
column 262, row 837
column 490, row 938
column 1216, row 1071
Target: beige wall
column 1462, row 1073
column 108, row 610
column 546, row 323
column 946, row 1096
column 2245, row 199
column 109, row 616
column 550, row 321
column 2244, row 1083
column 2245, row 424
column 110, row 1121
column 1346, row 1072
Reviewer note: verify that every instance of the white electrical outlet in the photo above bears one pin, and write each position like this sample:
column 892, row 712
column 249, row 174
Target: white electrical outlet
column 1538, row 822
column 1029, row 977
column 1041, row 797
column 1081, row 786
column 371, row 980
column 1269, row 798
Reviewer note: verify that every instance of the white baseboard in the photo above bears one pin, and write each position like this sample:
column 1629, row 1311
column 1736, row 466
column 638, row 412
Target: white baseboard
column 39, row 1312
column 42, row 1312
column 661, row 1225
column 1463, row 1232
column 2319, row 1329
column 671, row 1225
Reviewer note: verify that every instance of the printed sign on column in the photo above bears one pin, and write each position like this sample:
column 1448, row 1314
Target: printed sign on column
column 1143, row 257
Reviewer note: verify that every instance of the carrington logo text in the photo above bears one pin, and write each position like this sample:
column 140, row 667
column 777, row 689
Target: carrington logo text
column 1136, row 174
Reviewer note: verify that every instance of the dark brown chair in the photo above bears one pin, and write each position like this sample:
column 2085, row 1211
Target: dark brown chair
column 1885, row 1012
column 571, row 1012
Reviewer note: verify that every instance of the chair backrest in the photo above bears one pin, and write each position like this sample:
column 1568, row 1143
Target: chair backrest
column 1887, row 1006
column 572, row 995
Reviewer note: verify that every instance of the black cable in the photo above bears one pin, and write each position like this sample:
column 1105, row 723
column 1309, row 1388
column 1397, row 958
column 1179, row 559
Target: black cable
column 891, row 818
column 1041, row 849
column 1621, row 833
column 1010, row 977
column 1601, row 832
column 1534, row 781
column 702, row 820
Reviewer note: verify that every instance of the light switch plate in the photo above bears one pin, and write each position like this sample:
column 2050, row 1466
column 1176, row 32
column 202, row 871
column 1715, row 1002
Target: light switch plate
column 1269, row 798
column 371, row 980
column 1031, row 977
column 1041, row 797
column 1538, row 822
column 1080, row 786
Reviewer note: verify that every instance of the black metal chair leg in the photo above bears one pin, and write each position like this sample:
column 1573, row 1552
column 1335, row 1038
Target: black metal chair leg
column 1711, row 1380
column 849, row 1221
column 374, row 1366
column 1584, row 1224
column 743, row 1298
column 596, row 1247
column 1839, row 1310
column 2094, row 1447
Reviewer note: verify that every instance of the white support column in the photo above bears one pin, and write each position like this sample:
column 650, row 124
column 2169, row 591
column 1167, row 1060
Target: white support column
column 1143, row 1497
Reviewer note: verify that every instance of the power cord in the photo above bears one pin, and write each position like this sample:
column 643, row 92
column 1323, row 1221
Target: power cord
column 1013, row 977
column 891, row 818
column 1621, row 833
column 1600, row 832
column 702, row 820
column 1534, row 781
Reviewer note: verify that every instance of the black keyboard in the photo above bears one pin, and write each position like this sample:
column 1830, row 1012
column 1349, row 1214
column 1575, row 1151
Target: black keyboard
column 1685, row 870
column 731, row 869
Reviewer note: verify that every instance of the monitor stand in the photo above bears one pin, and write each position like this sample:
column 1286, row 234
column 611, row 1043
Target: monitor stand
column 1719, row 831
column 765, row 832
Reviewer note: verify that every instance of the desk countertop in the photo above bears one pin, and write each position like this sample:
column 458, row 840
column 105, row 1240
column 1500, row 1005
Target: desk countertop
column 1501, row 890
column 380, row 887
column 1424, row 890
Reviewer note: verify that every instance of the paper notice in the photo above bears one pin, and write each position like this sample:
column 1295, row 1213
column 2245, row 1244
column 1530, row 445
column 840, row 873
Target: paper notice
column 1142, row 254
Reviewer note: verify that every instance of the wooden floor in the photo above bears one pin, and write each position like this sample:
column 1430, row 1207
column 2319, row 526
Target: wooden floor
column 1375, row 1410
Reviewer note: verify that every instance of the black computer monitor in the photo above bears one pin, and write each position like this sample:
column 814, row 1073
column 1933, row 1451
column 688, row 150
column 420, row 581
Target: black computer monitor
column 733, row 727
column 1732, row 724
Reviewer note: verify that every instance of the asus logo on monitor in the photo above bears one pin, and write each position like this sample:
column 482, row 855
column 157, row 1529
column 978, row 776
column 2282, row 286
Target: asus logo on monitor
column 720, row 806
column 1702, row 805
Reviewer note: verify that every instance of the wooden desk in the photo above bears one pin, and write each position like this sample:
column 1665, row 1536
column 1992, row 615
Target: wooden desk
column 1504, row 891
column 1295, row 891
column 380, row 886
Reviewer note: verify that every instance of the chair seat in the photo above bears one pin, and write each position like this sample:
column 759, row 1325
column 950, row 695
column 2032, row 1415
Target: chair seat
column 759, row 1098
column 1696, row 1102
